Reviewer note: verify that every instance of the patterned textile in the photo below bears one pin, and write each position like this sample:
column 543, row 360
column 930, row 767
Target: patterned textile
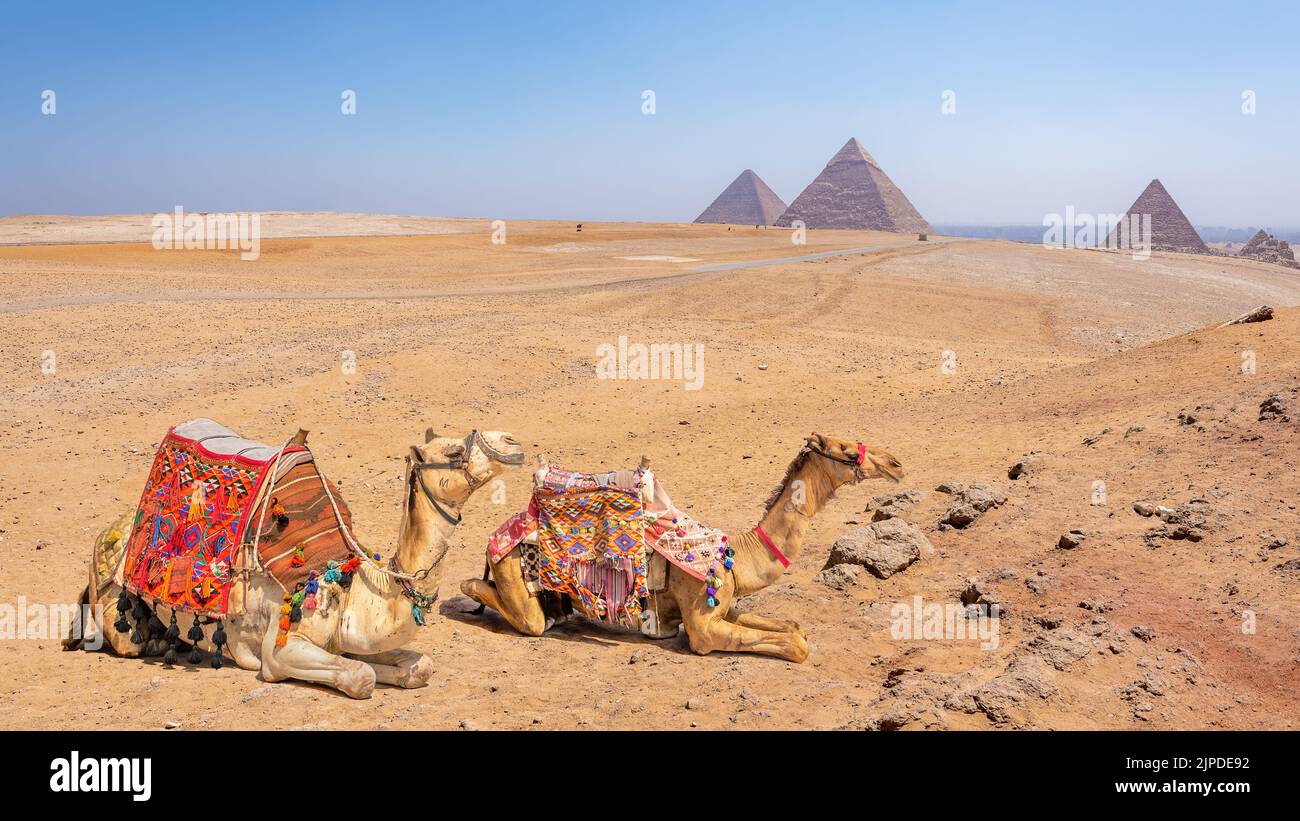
column 530, row 558
column 592, row 548
column 518, row 528
column 691, row 546
column 189, row 526
column 311, row 525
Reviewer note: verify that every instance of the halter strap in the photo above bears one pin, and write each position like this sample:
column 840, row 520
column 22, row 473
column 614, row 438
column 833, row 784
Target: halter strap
column 767, row 540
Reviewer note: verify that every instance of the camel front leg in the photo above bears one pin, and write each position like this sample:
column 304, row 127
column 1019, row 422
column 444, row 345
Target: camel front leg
column 707, row 628
column 509, row 595
column 762, row 622
column 400, row 668
column 302, row 660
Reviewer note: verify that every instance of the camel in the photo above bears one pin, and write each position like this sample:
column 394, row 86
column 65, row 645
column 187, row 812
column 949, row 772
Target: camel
column 823, row 465
column 358, row 640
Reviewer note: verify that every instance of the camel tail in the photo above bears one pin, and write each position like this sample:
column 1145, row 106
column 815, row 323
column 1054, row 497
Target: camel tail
column 72, row 641
column 885, row 464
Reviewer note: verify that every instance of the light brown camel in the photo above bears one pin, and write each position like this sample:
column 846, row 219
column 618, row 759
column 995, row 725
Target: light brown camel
column 824, row 464
column 358, row 638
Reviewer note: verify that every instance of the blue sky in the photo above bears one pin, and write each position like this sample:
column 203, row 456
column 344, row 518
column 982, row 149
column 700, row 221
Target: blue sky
column 520, row 110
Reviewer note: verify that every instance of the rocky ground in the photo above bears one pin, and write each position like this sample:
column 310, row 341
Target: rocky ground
column 1083, row 448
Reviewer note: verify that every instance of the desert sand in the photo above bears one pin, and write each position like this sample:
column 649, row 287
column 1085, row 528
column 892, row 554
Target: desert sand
column 1052, row 347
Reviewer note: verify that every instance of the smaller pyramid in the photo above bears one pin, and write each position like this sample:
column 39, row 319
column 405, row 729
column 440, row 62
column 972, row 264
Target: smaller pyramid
column 1255, row 243
column 747, row 201
column 1170, row 228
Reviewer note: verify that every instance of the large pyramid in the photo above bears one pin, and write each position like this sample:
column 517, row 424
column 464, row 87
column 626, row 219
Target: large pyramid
column 747, row 201
column 853, row 191
column 1170, row 228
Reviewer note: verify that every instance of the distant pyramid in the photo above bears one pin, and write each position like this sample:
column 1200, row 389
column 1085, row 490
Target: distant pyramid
column 1170, row 229
column 853, row 191
column 1255, row 243
column 747, row 201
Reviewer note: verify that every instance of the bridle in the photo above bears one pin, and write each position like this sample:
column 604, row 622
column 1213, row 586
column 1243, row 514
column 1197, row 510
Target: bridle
column 461, row 463
column 858, row 473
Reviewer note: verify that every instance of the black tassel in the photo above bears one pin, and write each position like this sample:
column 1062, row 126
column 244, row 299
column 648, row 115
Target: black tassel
column 123, row 605
column 173, row 633
column 141, row 614
column 195, row 636
column 155, row 625
column 218, row 641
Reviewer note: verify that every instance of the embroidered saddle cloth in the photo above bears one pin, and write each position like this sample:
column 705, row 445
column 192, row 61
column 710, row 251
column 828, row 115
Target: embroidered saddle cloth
column 206, row 496
column 569, row 507
column 189, row 527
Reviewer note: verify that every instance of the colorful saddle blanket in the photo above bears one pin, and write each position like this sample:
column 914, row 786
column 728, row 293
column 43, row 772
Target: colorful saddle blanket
column 562, row 498
column 189, row 527
column 592, row 547
column 206, row 497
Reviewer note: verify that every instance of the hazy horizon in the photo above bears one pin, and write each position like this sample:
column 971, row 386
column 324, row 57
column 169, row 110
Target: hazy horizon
column 517, row 112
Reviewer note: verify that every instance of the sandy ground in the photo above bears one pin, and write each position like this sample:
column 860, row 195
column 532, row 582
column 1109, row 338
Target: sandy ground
column 1052, row 347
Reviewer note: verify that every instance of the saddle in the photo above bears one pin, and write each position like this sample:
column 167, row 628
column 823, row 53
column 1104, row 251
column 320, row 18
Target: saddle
column 210, row 495
column 604, row 541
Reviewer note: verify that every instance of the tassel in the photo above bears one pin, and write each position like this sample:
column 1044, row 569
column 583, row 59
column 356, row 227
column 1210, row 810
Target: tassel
column 281, row 639
column 123, row 605
column 173, row 633
column 417, row 614
column 195, row 635
column 218, row 642
column 284, row 623
column 309, row 602
column 141, row 614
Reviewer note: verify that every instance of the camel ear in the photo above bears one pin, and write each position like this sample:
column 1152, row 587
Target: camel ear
column 415, row 457
column 542, row 461
column 429, row 435
column 645, row 463
column 816, row 440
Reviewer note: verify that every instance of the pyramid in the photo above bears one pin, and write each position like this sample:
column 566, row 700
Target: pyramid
column 1170, row 229
column 747, row 201
column 1255, row 243
column 853, row 191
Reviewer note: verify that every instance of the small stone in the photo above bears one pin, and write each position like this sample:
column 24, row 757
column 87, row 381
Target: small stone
column 172, row 725
column 1071, row 540
column 1143, row 632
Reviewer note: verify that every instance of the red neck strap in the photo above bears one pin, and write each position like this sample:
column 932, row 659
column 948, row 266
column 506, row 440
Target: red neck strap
column 767, row 540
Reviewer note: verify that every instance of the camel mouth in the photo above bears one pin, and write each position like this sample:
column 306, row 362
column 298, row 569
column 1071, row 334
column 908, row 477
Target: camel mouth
column 506, row 451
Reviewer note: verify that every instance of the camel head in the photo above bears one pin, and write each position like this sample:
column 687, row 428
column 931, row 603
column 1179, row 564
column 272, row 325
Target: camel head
column 848, row 461
column 452, row 468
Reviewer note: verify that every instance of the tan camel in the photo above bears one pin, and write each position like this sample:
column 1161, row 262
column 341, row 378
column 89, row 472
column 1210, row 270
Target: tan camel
column 356, row 639
column 824, row 464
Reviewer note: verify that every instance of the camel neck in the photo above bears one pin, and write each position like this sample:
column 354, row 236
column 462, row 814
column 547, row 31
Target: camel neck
column 785, row 523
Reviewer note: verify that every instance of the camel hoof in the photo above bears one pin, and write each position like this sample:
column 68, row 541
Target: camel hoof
column 418, row 674
column 468, row 587
column 359, row 683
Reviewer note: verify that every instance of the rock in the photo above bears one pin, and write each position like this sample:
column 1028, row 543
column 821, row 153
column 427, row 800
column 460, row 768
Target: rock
column 693, row 704
column 1273, row 408
column 970, row 503
column 840, row 576
column 1060, row 648
column 1187, row 418
column 1144, row 508
column 1025, row 466
column 172, row 725
column 1261, row 314
column 468, row 725
column 982, row 592
column 889, row 505
column 884, row 548
column 1143, row 632
column 1134, row 429
column 949, row 487
column 1040, row 582
column 1024, row 677
column 1095, row 438
column 1071, row 540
